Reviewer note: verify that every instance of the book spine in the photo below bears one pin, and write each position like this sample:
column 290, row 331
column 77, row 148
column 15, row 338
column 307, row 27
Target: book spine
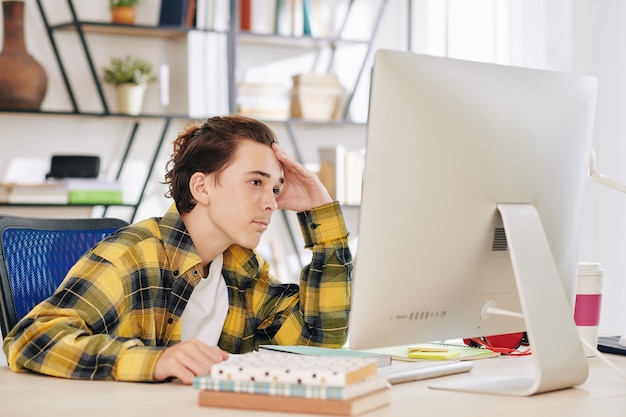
column 173, row 13
column 190, row 16
column 322, row 392
column 261, row 402
column 95, row 197
column 245, row 15
column 284, row 17
column 221, row 15
column 310, row 25
column 275, row 389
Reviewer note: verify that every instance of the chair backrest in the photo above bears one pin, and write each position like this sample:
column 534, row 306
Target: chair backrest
column 37, row 253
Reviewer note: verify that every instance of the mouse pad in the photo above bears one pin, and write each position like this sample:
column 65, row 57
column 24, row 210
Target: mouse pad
column 611, row 345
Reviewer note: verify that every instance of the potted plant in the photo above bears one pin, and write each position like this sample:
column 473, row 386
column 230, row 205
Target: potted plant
column 130, row 76
column 123, row 11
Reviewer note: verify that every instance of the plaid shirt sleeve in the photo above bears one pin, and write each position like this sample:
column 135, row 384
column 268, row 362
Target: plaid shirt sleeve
column 315, row 312
column 90, row 328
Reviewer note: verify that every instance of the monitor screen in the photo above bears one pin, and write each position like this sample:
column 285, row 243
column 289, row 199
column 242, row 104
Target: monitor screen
column 472, row 202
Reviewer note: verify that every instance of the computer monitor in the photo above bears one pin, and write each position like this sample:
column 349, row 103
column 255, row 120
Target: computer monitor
column 472, row 205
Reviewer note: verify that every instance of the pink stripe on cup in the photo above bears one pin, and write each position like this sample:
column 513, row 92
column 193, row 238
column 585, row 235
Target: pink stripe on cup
column 587, row 309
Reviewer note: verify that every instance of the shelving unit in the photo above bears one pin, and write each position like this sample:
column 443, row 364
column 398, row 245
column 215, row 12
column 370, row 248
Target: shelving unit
column 235, row 39
column 82, row 28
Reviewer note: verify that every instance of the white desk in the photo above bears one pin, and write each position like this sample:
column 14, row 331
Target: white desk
column 602, row 395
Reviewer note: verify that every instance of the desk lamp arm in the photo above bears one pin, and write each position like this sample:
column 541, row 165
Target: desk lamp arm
column 597, row 177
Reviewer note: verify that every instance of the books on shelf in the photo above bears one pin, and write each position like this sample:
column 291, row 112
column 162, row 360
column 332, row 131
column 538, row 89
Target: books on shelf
column 245, row 15
column 341, row 171
column 284, row 18
column 317, row 97
column 382, row 359
column 92, row 191
column 207, row 74
column 349, row 407
column 65, row 191
column 45, row 193
column 213, row 14
column 267, row 101
column 173, row 13
column 262, row 15
column 283, row 381
column 297, row 18
column 290, row 17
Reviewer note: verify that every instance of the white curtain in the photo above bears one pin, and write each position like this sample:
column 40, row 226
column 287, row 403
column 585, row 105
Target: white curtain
column 529, row 33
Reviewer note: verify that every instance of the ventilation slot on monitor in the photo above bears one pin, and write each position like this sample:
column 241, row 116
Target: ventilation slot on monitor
column 419, row 315
column 499, row 240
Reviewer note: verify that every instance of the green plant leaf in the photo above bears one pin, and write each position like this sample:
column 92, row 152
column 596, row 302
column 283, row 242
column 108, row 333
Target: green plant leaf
column 128, row 70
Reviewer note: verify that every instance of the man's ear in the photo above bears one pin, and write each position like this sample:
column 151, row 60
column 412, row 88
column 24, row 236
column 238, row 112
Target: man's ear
column 199, row 188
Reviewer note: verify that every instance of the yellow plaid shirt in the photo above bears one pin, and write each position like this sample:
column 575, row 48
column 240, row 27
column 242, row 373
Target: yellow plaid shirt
column 121, row 304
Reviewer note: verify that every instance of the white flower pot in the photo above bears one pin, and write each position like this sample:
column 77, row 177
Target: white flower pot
column 130, row 98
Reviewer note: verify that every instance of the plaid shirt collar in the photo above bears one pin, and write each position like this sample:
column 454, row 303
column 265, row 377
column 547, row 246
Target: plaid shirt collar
column 179, row 248
column 183, row 256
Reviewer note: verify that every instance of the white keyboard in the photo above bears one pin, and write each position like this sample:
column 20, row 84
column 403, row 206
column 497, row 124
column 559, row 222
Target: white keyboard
column 400, row 371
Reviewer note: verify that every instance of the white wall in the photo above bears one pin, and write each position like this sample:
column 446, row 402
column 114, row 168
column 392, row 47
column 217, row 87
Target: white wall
column 599, row 50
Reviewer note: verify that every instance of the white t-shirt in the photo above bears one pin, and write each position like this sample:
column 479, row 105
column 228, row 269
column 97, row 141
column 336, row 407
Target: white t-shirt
column 206, row 310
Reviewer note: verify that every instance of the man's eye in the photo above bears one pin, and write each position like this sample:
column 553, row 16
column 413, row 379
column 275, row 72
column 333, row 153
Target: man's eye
column 277, row 191
column 256, row 182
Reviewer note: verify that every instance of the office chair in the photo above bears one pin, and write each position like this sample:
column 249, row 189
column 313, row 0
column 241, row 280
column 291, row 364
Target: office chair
column 37, row 253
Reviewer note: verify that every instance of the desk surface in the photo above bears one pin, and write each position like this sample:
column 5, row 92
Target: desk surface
column 603, row 394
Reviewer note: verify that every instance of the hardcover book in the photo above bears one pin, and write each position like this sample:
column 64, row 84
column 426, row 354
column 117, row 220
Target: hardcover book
column 351, row 407
column 323, row 392
column 295, row 369
column 173, row 13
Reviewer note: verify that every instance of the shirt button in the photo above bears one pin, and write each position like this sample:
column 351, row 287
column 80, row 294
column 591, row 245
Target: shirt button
column 195, row 272
column 175, row 272
column 170, row 320
column 314, row 226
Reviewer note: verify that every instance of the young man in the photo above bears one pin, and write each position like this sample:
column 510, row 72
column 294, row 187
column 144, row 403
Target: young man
column 168, row 297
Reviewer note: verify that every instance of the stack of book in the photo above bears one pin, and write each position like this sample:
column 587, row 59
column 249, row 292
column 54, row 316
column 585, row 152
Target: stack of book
column 267, row 101
column 295, row 383
column 45, row 193
column 89, row 191
column 317, row 97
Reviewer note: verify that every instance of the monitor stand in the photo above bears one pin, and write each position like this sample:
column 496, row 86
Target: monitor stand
column 556, row 348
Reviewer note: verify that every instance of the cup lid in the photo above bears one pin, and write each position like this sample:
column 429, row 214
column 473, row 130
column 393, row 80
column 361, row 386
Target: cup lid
column 589, row 268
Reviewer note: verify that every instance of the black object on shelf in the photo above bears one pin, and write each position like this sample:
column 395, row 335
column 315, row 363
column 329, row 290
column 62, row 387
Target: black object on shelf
column 74, row 166
column 173, row 13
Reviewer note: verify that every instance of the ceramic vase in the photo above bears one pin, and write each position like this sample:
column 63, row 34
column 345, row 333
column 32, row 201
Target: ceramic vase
column 124, row 15
column 130, row 98
column 23, row 81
